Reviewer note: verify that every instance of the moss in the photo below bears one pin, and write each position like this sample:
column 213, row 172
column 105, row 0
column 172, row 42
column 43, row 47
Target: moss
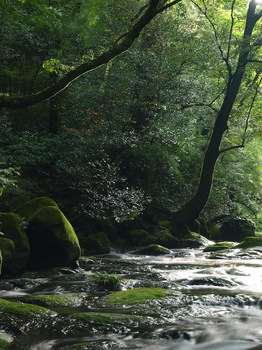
column 162, row 236
column 110, row 318
column 11, row 227
column 219, row 246
column 58, row 300
column 97, row 243
column 7, row 248
column 136, row 296
column 214, row 232
column 193, row 240
column 153, row 249
column 4, row 344
column 28, row 209
column 137, row 237
column 52, row 238
column 21, row 309
column 250, row 242
column 107, row 281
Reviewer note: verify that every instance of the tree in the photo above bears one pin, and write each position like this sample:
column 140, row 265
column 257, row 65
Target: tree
column 193, row 207
column 121, row 45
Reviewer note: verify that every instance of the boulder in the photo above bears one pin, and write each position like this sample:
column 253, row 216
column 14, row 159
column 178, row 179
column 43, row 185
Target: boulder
column 219, row 246
column 27, row 210
column 7, row 248
column 164, row 237
column 236, row 229
column 11, row 226
column 153, row 249
column 96, row 243
column 194, row 240
column 214, row 232
column 52, row 238
column 250, row 242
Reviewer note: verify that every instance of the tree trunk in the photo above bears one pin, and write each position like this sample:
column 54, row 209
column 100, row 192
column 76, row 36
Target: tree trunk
column 192, row 209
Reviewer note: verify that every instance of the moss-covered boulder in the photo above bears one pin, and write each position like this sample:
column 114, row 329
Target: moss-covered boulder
column 11, row 226
column 214, row 232
column 153, row 249
column 21, row 309
column 250, row 242
column 219, row 246
column 237, row 229
column 58, row 300
column 94, row 244
column 203, row 227
column 164, row 237
column 52, row 239
column 137, row 237
column 7, row 248
column 136, row 296
column 28, row 209
column 194, row 240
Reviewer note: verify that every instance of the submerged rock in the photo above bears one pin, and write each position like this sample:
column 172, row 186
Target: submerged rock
column 111, row 318
column 58, row 300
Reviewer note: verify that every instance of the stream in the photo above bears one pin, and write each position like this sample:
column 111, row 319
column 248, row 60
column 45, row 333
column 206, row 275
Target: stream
column 216, row 303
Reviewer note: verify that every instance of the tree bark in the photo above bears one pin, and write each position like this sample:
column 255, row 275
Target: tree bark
column 192, row 209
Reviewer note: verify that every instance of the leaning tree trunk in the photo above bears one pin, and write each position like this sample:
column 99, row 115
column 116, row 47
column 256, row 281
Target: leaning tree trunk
column 192, row 209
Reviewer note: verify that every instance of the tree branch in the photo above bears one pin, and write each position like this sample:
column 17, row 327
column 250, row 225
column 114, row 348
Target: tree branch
column 119, row 48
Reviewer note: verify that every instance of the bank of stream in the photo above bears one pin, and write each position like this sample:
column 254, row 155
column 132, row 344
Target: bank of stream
column 211, row 303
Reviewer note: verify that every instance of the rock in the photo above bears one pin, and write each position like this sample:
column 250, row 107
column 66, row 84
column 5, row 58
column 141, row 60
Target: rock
column 137, row 237
column 7, row 248
column 58, row 300
column 250, row 242
column 194, row 240
column 153, row 249
column 52, row 239
column 21, row 309
column 236, row 229
column 107, row 318
column 214, row 232
column 11, row 226
column 96, row 243
column 136, row 296
column 28, row 209
column 203, row 227
column 219, row 246
column 162, row 236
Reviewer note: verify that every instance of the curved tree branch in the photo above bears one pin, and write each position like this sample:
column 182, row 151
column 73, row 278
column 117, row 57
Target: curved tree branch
column 119, row 48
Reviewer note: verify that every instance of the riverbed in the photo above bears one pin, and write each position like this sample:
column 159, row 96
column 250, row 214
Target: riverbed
column 215, row 303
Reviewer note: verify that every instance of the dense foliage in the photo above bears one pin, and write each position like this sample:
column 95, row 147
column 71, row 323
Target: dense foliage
column 131, row 135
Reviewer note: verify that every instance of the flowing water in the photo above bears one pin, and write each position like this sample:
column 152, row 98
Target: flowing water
column 215, row 304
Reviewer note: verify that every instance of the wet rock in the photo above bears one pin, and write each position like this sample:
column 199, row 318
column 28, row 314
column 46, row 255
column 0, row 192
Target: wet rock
column 153, row 249
column 21, row 309
column 250, row 242
column 109, row 318
column 58, row 300
column 209, row 281
column 219, row 246
column 11, row 226
column 136, row 296
column 194, row 240
column 236, row 229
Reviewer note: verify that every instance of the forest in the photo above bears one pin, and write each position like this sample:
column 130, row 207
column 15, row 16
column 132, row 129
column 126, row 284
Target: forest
column 163, row 106
column 130, row 174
